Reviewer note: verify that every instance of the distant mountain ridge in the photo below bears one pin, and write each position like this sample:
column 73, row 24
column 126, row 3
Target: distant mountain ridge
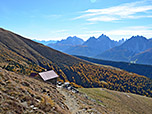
column 66, row 43
column 101, row 43
column 91, row 47
column 130, row 51
column 137, row 49
column 45, row 42
column 71, row 41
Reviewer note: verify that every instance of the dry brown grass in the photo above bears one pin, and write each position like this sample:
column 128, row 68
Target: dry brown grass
column 119, row 102
column 20, row 94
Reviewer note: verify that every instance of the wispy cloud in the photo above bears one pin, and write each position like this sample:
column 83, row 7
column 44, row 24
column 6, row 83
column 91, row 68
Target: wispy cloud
column 117, row 34
column 133, row 10
column 103, row 18
column 131, row 31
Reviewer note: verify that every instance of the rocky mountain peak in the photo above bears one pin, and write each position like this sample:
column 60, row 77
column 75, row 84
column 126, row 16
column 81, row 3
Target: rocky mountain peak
column 71, row 41
column 138, row 38
column 103, row 37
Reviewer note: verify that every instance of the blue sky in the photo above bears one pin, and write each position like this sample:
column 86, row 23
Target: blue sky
column 58, row 19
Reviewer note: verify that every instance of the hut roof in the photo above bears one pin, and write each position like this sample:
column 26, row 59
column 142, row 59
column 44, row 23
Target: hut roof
column 48, row 75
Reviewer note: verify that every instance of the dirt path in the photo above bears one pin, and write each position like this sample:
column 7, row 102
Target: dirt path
column 81, row 104
column 71, row 102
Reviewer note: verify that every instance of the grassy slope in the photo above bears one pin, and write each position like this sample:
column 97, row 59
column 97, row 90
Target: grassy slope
column 119, row 102
column 22, row 55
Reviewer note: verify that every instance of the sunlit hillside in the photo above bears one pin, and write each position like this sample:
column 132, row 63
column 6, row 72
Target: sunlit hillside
column 24, row 56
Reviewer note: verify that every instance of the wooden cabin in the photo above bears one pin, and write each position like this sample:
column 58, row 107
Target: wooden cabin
column 49, row 76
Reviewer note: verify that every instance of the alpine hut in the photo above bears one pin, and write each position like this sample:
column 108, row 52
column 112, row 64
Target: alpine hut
column 49, row 76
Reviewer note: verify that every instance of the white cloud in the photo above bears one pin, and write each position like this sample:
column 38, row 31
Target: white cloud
column 118, row 34
column 103, row 18
column 132, row 10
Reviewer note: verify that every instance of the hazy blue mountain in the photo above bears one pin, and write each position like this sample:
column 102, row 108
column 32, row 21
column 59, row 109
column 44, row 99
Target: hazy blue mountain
column 126, row 51
column 71, row 41
column 81, row 50
column 137, row 44
column 66, row 43
column 102, row 43
column 45, row 42
column 121, row 41
column 144, row 57
column 94, row 46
